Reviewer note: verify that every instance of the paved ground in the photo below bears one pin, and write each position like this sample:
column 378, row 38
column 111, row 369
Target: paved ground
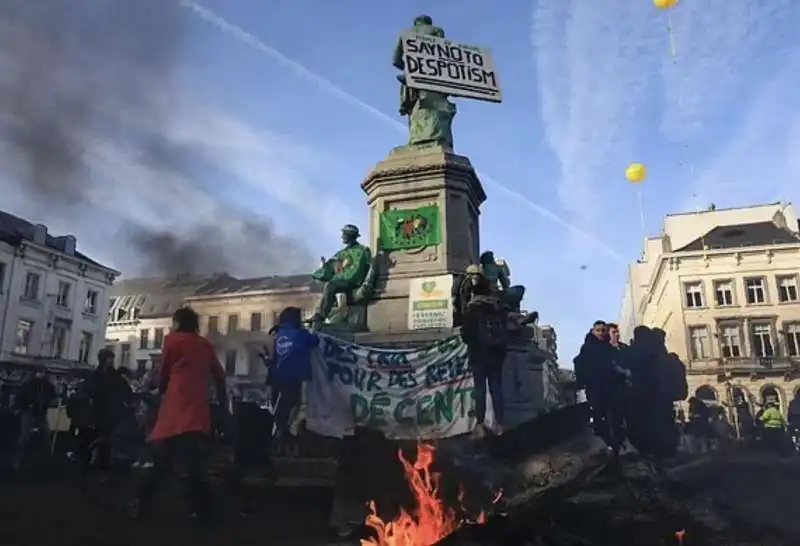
column 55, row 514
column 757, row 490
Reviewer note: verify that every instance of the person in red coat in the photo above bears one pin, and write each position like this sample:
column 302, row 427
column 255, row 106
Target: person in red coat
column 182, row 429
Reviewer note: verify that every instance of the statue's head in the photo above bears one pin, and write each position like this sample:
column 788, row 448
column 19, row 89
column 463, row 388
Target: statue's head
column 487, row 258
column 423, row 20
column 350, row 234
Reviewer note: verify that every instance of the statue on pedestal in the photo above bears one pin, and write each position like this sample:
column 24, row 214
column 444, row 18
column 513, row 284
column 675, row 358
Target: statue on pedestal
column 350, row 277
column 430, row 114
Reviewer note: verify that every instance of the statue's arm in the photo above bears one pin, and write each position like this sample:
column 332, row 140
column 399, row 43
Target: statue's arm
column 397, row 60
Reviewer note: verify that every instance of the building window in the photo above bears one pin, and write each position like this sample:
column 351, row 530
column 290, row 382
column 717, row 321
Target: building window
column 213, row 325
column 756, row 290
column 723, row 292
column 230, row 362
column 762, row 340
column 787, row 288
column 85, row 348
column 64, row 292
column 90, row 304
column 144, row 338
column 793, row 339
column 60, row 340
column 32, row 282
column 233, row 323
column 2, row 276
column 158, row 338
column 125, row 355
column 730, row 341
column 255, row 322
column 700, row 342
column 694, row 294
column 141, row 367
column 275, row 316
column 24, row 335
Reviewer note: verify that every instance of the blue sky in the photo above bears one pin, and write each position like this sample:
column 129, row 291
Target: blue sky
column 298, row 102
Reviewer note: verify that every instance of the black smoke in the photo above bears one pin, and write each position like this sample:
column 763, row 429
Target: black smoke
column 77, row 72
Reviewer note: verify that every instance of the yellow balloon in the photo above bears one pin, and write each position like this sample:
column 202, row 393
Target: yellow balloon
column 665, row 4
column 636, row 173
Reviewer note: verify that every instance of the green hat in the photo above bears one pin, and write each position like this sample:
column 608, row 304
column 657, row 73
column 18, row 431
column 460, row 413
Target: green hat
column 351, row 231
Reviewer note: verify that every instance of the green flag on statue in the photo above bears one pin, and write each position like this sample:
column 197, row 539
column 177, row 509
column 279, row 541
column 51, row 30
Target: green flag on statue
column 413, row 228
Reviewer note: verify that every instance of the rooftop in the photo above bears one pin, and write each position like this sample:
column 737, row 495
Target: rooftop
column 14, row 230
column 742, row 235
column 155, row 297
column 230, row 285
column 713, row 209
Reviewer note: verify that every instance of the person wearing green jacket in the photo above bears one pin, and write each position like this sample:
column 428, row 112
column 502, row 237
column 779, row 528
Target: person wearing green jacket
column 774, row 427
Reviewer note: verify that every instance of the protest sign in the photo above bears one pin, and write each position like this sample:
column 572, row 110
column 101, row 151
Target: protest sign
column 437, row 64
column 430, row 302
column 415, row 394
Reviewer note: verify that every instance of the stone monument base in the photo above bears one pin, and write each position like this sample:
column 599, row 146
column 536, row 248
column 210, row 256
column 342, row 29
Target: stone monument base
column 410, row 179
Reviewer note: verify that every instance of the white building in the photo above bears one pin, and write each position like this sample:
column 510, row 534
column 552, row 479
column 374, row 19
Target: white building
column 723, row 285
column 53, row 299
column 140, row 316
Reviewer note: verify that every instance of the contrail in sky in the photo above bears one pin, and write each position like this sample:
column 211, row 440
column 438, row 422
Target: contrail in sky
column 245, row 37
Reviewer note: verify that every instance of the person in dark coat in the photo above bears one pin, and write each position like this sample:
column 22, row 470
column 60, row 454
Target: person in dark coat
column 34, row 399
column 596, row 371
column 106, row 395
column 485, row 332
column 658, row 380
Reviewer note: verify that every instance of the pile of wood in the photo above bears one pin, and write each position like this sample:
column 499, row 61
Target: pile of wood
column 562, row 487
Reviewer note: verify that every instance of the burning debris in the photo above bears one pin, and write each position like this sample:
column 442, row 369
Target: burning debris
column 568, row 494
column 431, row 521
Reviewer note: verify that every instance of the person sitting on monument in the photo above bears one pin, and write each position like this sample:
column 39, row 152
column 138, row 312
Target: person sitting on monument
column 292, row 352
column 343, row 273
column 485, row 332
column 494, row 272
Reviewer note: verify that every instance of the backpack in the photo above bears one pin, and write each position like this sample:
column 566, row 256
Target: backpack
column 492, row 328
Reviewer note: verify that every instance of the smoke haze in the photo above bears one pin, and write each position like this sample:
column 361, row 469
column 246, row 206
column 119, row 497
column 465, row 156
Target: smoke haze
column 85, row 87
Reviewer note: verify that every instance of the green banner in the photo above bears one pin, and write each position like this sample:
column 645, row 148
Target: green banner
column 413, row 228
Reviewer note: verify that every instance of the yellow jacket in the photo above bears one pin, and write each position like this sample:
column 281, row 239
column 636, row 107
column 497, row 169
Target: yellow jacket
column 773, row 418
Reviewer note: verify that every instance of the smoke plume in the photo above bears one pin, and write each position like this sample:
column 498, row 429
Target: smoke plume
column 83, row 82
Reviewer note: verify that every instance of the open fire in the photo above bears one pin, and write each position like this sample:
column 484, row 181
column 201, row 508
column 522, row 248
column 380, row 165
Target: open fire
column 430, row 520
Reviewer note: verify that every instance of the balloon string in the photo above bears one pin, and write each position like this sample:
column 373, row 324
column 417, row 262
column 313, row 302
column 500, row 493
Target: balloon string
column 672, row 49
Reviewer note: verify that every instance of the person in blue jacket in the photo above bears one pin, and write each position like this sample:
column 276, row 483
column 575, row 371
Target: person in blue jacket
column 292, row 351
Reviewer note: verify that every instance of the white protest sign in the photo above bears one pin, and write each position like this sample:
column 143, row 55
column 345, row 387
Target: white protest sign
column 416, row 394
column 430, row 302
column 437, row 64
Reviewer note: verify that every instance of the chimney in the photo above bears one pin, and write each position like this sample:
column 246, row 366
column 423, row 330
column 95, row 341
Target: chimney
column 69, row 244
column 40, row 234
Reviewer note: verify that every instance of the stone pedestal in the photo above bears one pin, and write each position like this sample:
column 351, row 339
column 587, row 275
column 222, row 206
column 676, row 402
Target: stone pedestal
column 410, row 179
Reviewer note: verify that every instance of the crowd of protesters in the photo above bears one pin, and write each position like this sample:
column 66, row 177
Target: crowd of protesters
column 633, row 389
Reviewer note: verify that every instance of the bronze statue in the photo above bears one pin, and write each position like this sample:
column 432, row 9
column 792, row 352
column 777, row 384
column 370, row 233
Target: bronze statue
column 351, row 274
column 430, row 114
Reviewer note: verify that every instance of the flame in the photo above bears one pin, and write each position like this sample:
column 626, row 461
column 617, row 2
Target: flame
column 680, row 535
column 431, row 521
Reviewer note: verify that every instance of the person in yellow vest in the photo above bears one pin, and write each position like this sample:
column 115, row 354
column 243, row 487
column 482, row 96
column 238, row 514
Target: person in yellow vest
column 774, row 427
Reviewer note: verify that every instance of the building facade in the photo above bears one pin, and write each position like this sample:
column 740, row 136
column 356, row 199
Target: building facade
column 53, row 299
column 140, row 316
column 237, row 314
column 723, row 285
